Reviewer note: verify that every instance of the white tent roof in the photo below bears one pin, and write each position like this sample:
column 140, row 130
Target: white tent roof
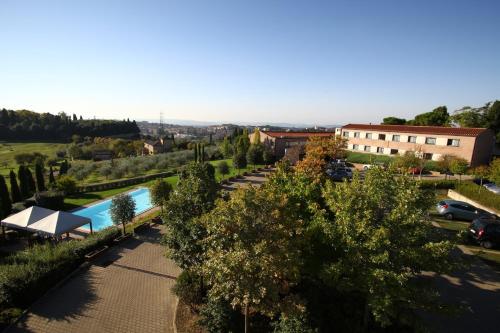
column 27, row 217
column 59, row 223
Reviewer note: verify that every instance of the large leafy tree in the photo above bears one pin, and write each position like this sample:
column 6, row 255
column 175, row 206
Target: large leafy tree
column 379, row 230
column 437, row 117
column 319, row 150
column 393, row 121
column 459, row 166
column 487, row 116
column 160, row 192
column 194, row 195
column 122, row 210
column 255, row 154
column 252, row 256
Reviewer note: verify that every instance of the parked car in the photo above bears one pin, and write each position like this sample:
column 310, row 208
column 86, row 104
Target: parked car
column 453, row 209
column 376, row 164
column 486, row 232
column 492, row 188
column 414, row 171
column 338, row 175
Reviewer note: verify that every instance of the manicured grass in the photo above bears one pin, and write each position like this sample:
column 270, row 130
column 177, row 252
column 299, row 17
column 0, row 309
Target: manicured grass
column 232, row 171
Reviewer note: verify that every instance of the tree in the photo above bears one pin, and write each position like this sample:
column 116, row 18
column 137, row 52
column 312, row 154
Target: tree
column 319, row 150
column 481, row 172
column 255, row 154
column 494, row 174
column 52, row 179
column 40, row 180
column 15, row 192
column 256, row 136
column 30, row 180
column 223, row 168
column 194, row 195
column 393, row 121
column 485, row 116
column 63, row 169
column 459, row 166
column 437, row 117
column 66, row 184
column 381, row 241
column 239, row 160
column 252, row 252
column 122, row 210
column 5, row 202
column 445, row 162
column 407, row 162
column 226, row 149
column 160, row 192
column 23, row 182
column 268, row 155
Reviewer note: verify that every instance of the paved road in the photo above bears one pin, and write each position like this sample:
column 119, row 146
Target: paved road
column 125, row 290
column 476, row 291
column 255, row 179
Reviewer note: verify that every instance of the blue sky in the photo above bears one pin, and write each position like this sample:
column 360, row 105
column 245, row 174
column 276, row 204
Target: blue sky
column 314, row 62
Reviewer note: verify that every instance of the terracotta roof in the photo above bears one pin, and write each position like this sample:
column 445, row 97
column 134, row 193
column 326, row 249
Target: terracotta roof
column 438, row 130
column 276, row 134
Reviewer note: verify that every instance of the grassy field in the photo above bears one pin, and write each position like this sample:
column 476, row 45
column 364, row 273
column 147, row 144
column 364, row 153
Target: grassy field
column 9, row 149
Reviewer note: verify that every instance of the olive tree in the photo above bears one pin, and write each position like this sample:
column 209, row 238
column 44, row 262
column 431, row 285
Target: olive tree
column 160, row 192
column 122, row 210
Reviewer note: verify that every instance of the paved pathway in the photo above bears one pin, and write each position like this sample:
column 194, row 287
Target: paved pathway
column 255, row 179
column 125, row 290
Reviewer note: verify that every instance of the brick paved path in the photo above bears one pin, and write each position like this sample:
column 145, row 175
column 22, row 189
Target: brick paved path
column 125, row 290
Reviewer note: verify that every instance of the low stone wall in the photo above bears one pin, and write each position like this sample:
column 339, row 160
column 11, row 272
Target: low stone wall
column 123, row 182
column 457, row 196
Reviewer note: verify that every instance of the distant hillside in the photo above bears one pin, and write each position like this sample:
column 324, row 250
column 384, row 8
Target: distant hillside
column 29, row 125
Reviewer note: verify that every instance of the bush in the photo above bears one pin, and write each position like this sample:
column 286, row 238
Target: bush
column 27, row 274
column 219, row 316
column 66, row 184
column 50, row 199
column 188, row 287
column 292, row 324
column 479, row 194
column 438, row 184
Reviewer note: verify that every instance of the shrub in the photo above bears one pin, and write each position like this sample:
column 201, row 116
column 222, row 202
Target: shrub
column 223, row 168
column 363, row 158
column 219, row 316
column 479, row 194
column 50, row 199
column 188, row 287
column 66, row 184
column 438, row 184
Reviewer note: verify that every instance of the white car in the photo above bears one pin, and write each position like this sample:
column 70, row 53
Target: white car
column 492, row 187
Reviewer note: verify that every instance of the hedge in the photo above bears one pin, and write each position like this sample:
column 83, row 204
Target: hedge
column 438, row 184
column 365, row 158
column 479, row 194
column 122, row 183
column 26, row 275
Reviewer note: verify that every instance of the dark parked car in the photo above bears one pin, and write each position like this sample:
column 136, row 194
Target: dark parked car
column 453, row 209
column 486, row 232
column 338, row 175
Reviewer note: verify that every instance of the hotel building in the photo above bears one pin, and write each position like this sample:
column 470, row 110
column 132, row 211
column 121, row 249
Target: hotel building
column 476, row 145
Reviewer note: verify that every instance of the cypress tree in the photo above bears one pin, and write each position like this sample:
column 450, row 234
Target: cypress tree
column 5, row 203
column 23, row 182
column 196, row 153
column 202, row 153
column 30, row 181
column 63, row 169
column 40, row 181
column 15, row 193
column 52, row 179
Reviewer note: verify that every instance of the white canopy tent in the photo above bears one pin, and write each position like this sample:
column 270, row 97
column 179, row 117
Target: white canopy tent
column 59, row 223
column 26, row 217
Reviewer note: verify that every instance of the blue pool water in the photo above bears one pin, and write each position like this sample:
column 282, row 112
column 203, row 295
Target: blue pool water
column 100, row 214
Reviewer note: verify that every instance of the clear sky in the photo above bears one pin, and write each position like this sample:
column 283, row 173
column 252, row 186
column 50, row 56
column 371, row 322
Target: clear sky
column 314, row 62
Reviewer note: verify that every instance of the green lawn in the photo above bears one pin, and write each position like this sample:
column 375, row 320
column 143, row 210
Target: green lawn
column 9, row 149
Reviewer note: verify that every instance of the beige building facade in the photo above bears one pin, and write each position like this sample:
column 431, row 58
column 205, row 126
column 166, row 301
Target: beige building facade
column 476, row 145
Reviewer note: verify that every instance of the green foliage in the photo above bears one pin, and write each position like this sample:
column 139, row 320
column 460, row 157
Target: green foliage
column 52, row 179
column 487, row 116
column 268, row 155
column 195, row 195
column 122, row 209
column 30, row 181
column 252, row 243
column 63, row 168
column 494, row 174
column 437, row 117
column 223, row 168
column 239, row 160
column 66, row 184
column 217, row 316
column 293, row 324
column 407, row 160
column 478, row 194
column 30, row 158
column 160, row 192
column 189, row 288
column 437, row 184
column 459, row 166
column 393, row 121
column 379, row 231
column 14, row 188
column 5, row 202
column 362, row 158
column 50, row 199
column 40, row 180
column 255, row 154
column 226, row 148
column 27, row 274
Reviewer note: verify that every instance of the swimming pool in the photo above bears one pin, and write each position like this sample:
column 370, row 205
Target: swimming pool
column 100, row 213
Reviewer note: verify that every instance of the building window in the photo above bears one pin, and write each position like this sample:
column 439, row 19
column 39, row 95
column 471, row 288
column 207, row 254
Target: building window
column 356, row 134
column 453, row 142
column 396, row 138
column 430, row 141
column 380, row 150
column 427, row 156
column 394, row 151
column 381, row 136
column 355, row 147
column 368, row 148
column 345, row 134
column 412, row 139
column 368, row 136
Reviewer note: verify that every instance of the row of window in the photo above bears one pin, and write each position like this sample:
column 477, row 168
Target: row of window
column 381, row 150
column 411, row 139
